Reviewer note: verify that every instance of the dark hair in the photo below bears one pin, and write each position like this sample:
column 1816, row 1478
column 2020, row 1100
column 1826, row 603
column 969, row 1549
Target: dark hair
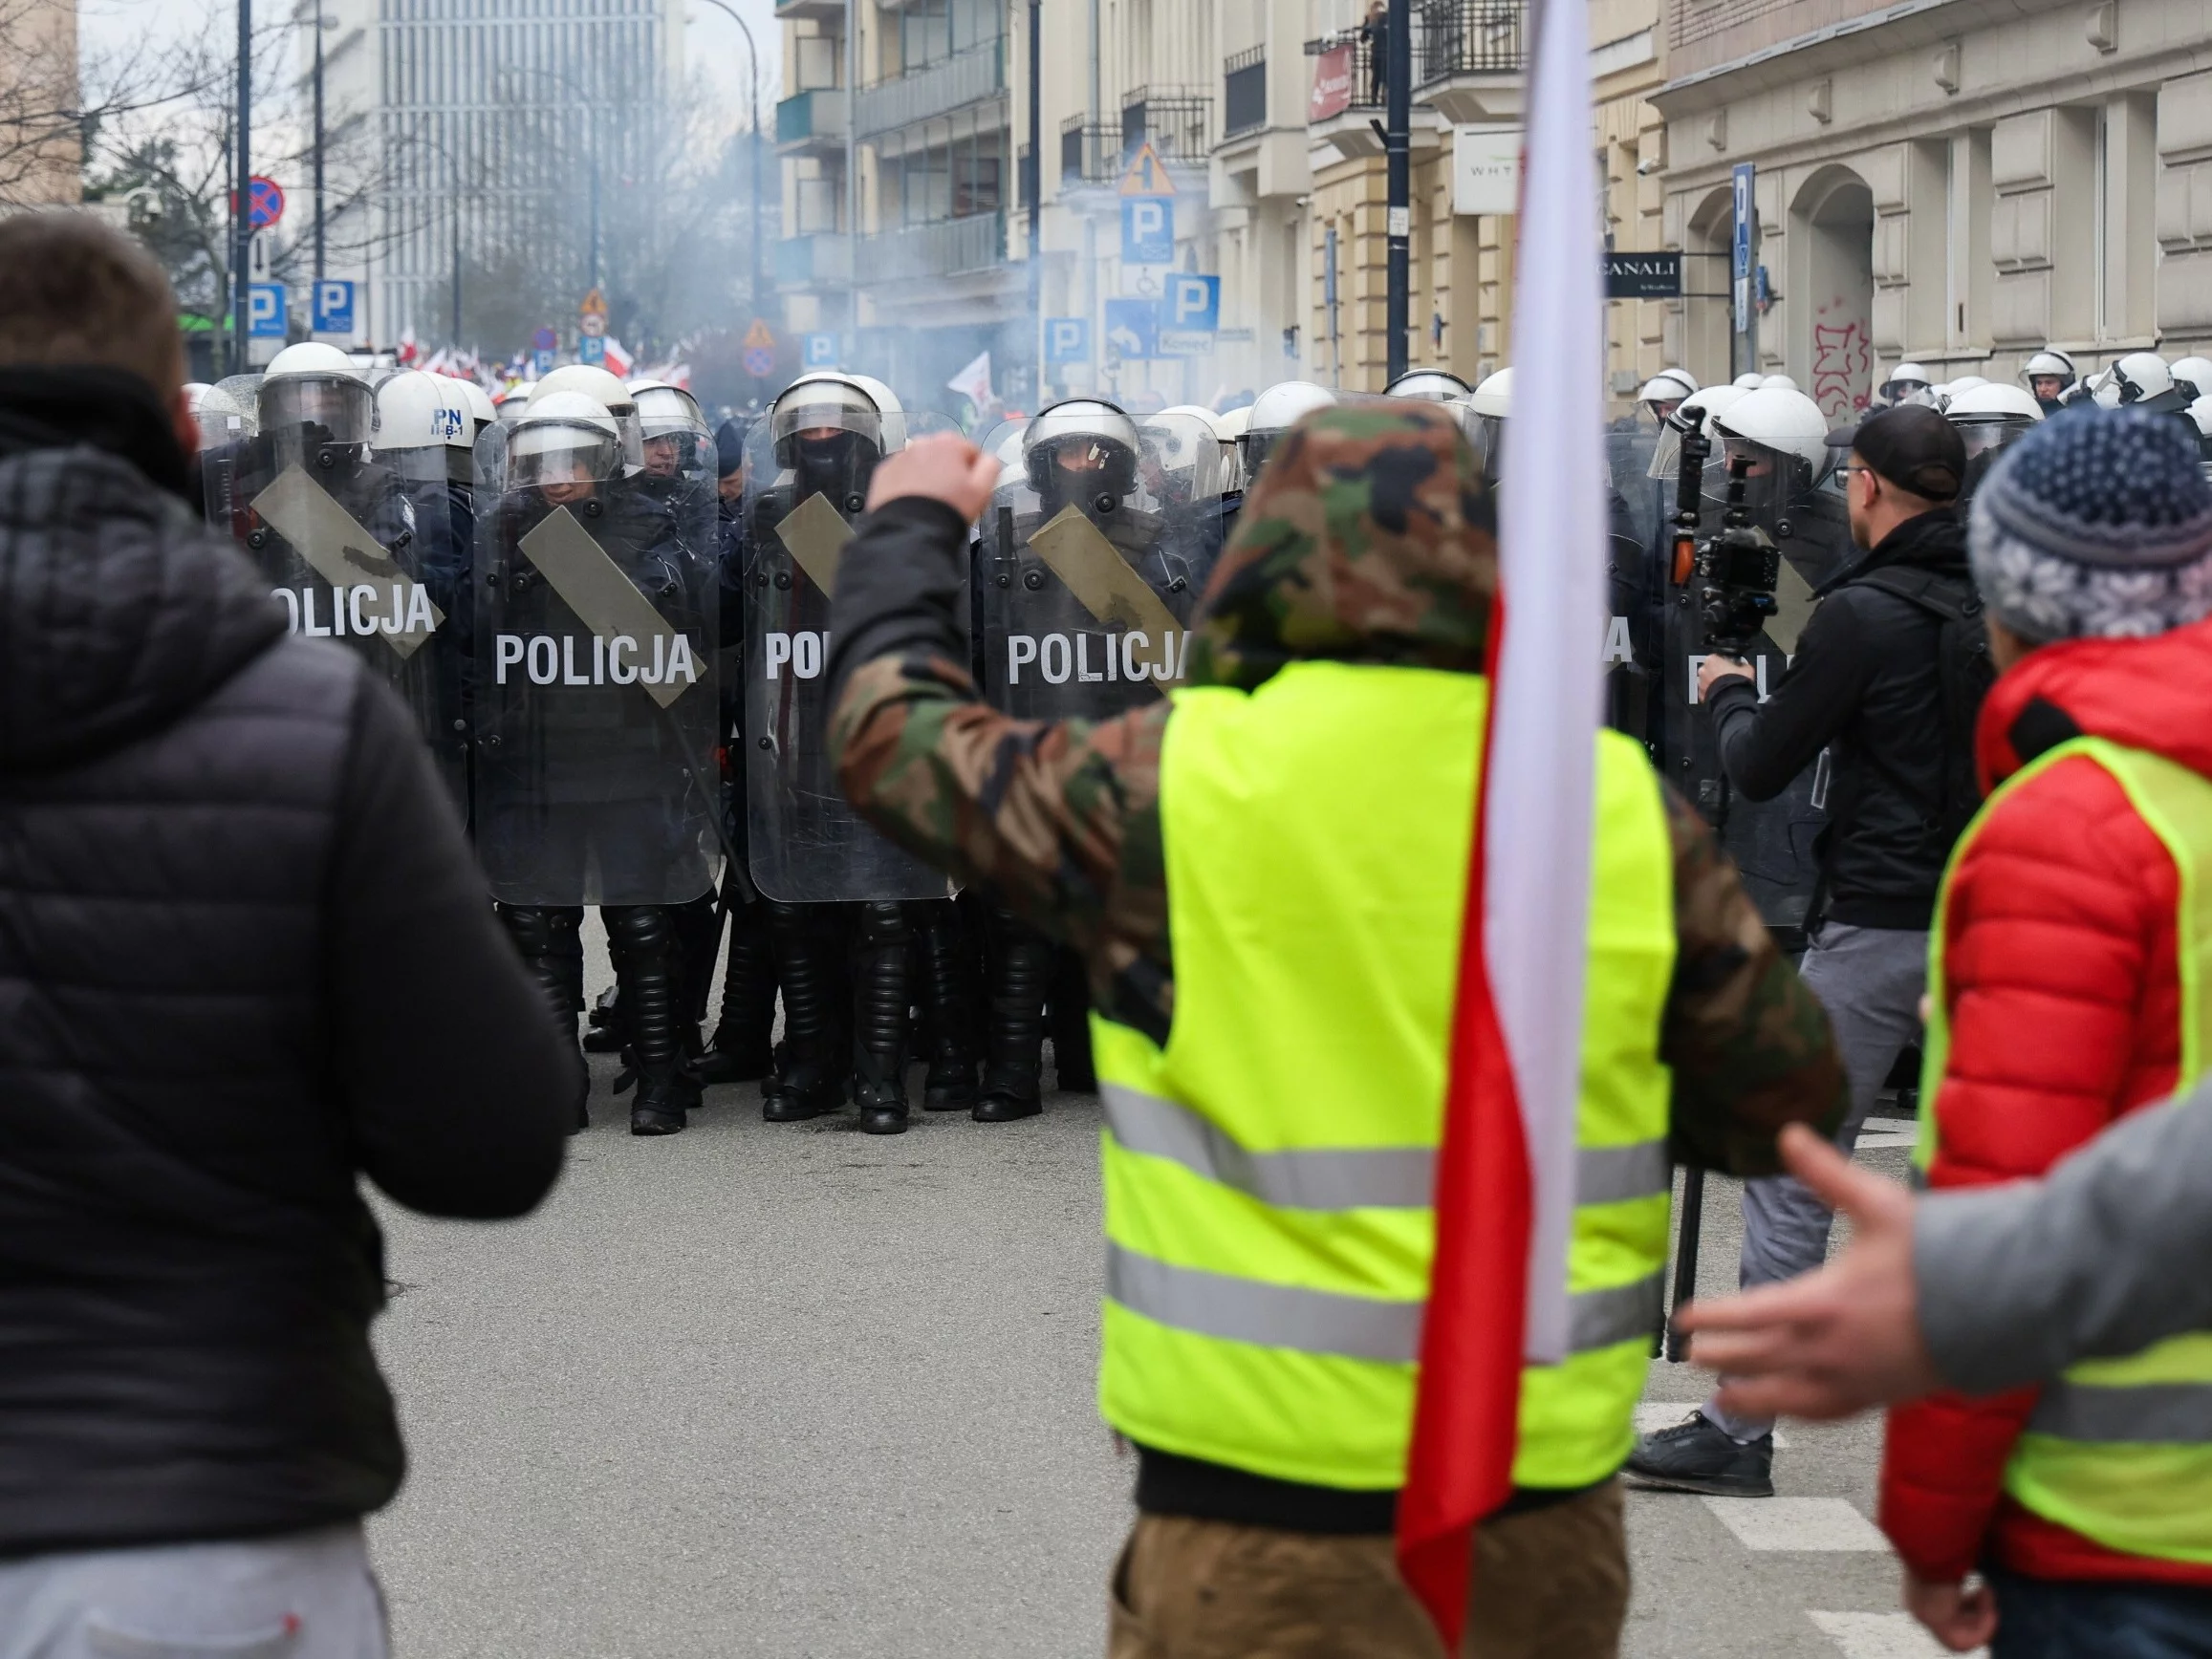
column 76, row 290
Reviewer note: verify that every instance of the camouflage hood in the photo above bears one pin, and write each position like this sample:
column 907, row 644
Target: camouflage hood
column 1370, row 537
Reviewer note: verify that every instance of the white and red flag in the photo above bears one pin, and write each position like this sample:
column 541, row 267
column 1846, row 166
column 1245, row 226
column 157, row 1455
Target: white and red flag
column 1504, row 1198
column 620, row 362
column 408, row 351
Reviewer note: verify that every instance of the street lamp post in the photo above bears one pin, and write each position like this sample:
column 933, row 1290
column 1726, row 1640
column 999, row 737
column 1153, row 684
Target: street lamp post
column 242, row 196
column 1398, row 225
column 752, row 83
column 318, row 139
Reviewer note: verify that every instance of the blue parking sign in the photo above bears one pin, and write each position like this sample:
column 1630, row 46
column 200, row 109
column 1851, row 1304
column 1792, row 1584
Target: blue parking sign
column 265, row 318
column 1147, row 230
column 1190, row 317
column 334, row 307
column 1133, row 329
column 1067, row 339
column 819, row 352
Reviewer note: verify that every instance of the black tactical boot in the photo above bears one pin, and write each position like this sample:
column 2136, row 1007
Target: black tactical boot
column 649, row 967
column 809, row 1065
column 554, row 951
column 948, row 958
column 1069, row 1023
column 739, row 1051
column 603, row 1029
column 1697, row 1455
column 883, row 988
column 1021, row 970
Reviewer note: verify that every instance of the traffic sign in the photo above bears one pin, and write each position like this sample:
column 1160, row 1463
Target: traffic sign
column 1146, row 175
column 1147, row 230
column 264, row 201
column 760, row 337
column 760, row 362
column 592, row 349
column 1067, row 339
column 818, row 352
column 265, row 316
column 595, row 304
column 542, row 361
column 1190, row 314
column 544, row 340
column 1742, row 180
column 1132, row 329
column 334, row 307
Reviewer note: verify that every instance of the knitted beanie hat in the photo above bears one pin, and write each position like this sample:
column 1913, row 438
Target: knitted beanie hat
column 2096, row 524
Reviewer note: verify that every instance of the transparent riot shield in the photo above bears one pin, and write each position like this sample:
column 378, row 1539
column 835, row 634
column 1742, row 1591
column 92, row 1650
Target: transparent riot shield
column 596, row 706
column 359, row 552
column 228, row 417
column 1086, row 590
column 805, row 843
column 1987, row 439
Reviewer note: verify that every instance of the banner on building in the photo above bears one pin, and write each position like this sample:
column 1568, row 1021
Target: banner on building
column 1643, row 276
column 1486, row 167
column 1331, row 93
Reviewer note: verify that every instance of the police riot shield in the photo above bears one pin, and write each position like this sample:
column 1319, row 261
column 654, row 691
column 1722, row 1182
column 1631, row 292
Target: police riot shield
column 807, row 471
column 1746, row 594
column 228, row 414
column 596, row 715
column 358, row 551
column 1093, row 557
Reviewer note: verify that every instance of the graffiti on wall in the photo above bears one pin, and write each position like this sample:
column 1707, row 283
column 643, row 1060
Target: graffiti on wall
column 1842, row 362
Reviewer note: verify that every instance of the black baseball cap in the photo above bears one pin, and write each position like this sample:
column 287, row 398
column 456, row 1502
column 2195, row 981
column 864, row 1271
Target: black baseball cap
column 1911, row 446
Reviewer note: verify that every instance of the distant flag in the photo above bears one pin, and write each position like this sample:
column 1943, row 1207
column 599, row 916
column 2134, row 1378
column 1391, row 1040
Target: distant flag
column 438, row 362
column 973, row 382
column 678, row 375
column 620, row 362
column 1504, row 1195
column 409, row 351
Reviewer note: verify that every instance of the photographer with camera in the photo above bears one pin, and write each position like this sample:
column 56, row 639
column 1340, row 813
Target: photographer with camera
column 1887, row 679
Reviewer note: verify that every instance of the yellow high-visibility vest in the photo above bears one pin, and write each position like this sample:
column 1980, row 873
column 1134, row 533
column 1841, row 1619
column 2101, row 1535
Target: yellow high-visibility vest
column 1268, row 1173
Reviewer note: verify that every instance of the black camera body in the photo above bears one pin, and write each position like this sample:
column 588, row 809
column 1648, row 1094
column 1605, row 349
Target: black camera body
column 1737, row 571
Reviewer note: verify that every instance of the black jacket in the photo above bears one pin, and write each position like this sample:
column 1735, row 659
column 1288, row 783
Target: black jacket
column 245, row 956
column 1865, row 684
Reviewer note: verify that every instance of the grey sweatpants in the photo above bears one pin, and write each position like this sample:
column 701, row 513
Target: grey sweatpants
column 1869, row 981
column 303, row 1595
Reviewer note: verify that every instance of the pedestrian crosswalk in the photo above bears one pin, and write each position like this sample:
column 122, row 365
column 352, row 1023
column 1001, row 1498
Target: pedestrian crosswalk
column 1797, row 1524
column 1888, row 1132
column 1880, row 1636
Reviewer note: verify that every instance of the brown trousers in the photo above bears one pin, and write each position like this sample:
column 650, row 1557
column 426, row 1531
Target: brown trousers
column 1549, row 1583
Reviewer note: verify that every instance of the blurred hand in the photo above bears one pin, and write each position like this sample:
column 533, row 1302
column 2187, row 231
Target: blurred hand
column 946, row 468
column 1718, row 668
column 1833, row 1342
column 1961, row 1617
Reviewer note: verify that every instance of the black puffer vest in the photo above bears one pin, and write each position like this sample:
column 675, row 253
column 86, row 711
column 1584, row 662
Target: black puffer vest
column 187, row 1271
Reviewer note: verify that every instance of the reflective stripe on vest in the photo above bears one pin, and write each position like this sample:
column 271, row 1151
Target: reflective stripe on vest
column 2121, row 1450
column 1268, row 1175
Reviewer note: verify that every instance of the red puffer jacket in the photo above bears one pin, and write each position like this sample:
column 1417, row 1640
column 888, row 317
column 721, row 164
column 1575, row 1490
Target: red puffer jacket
column 2064, row 999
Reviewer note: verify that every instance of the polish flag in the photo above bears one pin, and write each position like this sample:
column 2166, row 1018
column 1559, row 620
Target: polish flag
column 620, row 362
column 409, row 351
column 440, row 361
column 678, row 375
column 1504, row 1197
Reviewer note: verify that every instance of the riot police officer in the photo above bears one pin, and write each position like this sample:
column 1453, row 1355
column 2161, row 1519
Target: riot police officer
column 596, row 713
column 1273, row 413
column 2050, row 374
column 1990, row 418
column 824, row 874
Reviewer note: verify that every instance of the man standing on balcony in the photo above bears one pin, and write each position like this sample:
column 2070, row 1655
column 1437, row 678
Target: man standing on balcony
column 1376, row 32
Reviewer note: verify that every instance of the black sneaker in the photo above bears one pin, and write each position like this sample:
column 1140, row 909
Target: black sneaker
column 1697, row 1455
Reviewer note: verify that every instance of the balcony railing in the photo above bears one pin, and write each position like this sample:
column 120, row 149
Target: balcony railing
column 1245, row 93
column 946, row 247
column 1175, row 120
column 818, row 116
column 1089, row 154
column 1468, row 37
column 823, row 261
column 1358, row 60
column 948, row 84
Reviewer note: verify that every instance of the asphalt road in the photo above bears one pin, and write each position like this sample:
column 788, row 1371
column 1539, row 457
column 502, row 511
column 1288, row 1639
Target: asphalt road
column 795, row 1390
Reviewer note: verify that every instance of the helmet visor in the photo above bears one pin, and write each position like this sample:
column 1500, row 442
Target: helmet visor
column 820, row 408
column 339, row 405
column 559, row 452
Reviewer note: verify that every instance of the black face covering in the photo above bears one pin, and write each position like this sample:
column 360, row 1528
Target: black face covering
column 833, row 466
column 1084, row 491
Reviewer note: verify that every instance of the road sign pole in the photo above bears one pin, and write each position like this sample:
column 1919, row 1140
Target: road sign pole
column 1033, row 188
column 242, row 196
column 1398, row 71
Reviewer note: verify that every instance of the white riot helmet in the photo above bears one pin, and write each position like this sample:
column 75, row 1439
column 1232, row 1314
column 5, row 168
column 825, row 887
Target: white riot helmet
column 1669, row 386
column 481, row 413
column 1908, row 383
column 887, row 403
column 223, row 418
column 2195, row 375
column 1780, row 419
column 2048, row 363
column 564, row 438
column 1185, row 439
column 2135, row 379
column 664, row 410
column 1748, row 381
column 1273, row 413
column 828, row 434
column 607, row 391
column 1988, row 418
column 1778, row 383
column 1081, row 453
column 1694, row 412
column 316, row 385
column 2200, row 413
column 1428, row 386
column 423, row 428
column 1493, row 399
column 509, row 405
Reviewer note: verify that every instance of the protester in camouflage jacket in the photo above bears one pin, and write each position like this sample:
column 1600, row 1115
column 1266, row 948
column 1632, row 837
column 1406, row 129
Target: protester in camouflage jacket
column 1370, row 538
